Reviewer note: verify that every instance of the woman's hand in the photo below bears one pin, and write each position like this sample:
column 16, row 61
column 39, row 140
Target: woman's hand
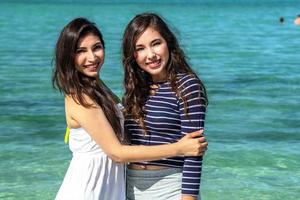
column 187, row 197
column 192, row 144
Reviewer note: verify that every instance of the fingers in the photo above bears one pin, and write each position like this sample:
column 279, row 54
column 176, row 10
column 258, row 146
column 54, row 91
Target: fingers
column 200, row 153
column 196, row 134
column 204, row 145
column 202, row 139
column 202, row 149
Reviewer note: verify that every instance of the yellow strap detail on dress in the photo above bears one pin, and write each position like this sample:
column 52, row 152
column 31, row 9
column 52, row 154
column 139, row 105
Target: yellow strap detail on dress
column 67, row 135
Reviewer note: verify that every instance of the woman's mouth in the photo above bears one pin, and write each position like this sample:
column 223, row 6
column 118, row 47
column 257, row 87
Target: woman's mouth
column 154, row 64
column 92, row 67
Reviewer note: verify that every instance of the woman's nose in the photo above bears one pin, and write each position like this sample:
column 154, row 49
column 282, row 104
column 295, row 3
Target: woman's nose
column 91, row 56
column 151, row 54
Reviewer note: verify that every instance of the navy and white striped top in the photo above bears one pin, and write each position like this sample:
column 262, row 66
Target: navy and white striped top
column 166, row 122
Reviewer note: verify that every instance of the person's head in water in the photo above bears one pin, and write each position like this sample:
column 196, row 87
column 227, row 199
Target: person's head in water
column 281, row 20
column 297, row 20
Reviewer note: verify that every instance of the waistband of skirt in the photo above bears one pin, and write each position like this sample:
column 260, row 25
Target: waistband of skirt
column 153, row 173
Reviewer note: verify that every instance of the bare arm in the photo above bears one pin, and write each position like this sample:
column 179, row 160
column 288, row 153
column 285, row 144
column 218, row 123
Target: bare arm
column 93, row 120
column 188, row 197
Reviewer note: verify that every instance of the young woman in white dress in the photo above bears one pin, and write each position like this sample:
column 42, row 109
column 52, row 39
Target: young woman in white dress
column 94, row 118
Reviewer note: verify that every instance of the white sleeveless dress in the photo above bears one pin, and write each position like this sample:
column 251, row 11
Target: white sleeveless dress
column 91, row 175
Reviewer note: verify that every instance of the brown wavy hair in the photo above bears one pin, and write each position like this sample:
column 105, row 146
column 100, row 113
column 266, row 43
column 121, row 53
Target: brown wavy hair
column 136, row 81
column 74, row 83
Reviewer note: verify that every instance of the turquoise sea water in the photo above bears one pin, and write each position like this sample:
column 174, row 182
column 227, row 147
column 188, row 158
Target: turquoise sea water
column 249, row 62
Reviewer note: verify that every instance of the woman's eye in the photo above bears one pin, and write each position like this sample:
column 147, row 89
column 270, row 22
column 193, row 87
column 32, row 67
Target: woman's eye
column 139, row 49
column 98, row 47
column 78, row 51
column 156, row 43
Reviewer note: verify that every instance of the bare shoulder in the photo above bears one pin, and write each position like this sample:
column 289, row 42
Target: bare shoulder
column 74, row 109
column 83, row 115
column 69, row 100
column 70, row 109
column 74, row 102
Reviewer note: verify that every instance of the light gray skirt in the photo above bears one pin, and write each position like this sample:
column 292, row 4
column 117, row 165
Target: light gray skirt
column 162, row 184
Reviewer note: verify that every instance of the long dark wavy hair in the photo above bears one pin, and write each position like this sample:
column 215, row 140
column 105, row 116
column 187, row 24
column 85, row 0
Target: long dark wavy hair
column 74, row 83
column 136, row 81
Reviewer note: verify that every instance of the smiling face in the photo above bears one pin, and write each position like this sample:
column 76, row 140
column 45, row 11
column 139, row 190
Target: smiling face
column 89, row 55
column 152, row 54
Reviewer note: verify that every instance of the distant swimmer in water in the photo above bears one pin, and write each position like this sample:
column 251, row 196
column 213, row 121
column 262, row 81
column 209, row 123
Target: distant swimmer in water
column 297, row 20
column 281, row 20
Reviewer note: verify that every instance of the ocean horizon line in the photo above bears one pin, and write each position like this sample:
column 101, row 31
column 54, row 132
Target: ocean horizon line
column 193, row 2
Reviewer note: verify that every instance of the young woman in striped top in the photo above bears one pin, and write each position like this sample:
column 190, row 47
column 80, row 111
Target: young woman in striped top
column 164, row 100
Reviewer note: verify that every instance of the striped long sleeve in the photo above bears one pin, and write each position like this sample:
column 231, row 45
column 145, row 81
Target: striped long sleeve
column 192, row 119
